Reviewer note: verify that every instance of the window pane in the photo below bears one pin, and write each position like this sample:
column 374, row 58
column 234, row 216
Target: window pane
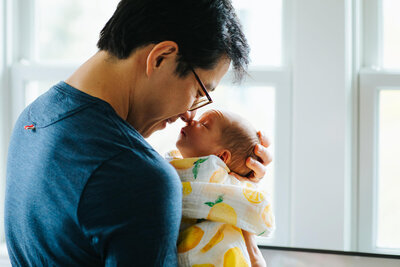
column 68, row 30
column 391, row 34
column 389, row 170
column 33, row 89
column 255, row 104
column 262, row 25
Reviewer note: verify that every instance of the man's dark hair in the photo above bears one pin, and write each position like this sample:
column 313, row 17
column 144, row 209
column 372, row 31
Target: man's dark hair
column 205, row 31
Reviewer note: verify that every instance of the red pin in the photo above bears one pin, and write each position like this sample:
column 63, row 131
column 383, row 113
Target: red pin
column 29, row 127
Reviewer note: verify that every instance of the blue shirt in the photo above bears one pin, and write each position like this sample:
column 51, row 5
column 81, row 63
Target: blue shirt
column 84, row 188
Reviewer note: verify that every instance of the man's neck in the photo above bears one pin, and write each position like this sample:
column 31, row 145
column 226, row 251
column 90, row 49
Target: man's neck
column 106, row 78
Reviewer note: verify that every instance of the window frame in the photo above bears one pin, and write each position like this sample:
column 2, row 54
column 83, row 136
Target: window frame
column 371, row 83
column 372, row 79
column 280, row 79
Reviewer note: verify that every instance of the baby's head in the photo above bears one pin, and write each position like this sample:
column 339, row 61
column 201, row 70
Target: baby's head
column 223, row 134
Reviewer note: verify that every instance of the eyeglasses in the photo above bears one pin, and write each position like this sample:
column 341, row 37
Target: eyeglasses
column 203, row 100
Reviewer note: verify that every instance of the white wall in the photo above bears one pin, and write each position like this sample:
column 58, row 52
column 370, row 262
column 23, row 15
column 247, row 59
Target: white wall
column 322, row 95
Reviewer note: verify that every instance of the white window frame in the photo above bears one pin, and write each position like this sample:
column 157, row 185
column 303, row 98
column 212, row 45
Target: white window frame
column 372, row 79
column 371, row 83
column 280, row 79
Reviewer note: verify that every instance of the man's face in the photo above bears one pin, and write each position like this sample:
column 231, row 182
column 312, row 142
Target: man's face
column 202, row 137
column 173, row 96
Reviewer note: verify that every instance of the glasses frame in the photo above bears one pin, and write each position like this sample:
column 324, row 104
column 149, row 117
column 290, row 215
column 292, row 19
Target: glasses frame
column 204, row 91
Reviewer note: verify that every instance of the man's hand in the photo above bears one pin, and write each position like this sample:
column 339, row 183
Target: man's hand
column 258, row 167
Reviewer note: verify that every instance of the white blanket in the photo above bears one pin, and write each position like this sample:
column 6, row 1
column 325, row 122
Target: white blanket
column 216, row 206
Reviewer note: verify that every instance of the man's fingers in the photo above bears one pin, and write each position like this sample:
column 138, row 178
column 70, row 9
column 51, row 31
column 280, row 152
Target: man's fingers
column 264, row 140
column 263, row 154
column 257, row 167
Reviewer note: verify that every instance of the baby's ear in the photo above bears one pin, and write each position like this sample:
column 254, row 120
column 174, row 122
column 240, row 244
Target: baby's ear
column 225, row 155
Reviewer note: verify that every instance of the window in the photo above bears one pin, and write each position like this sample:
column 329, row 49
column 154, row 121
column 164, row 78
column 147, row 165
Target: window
column 388, row 206
column 391, row 34
column 379, row 125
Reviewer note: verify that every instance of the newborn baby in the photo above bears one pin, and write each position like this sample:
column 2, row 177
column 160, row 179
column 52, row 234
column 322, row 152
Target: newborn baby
column 224, row 134
column 216, row 206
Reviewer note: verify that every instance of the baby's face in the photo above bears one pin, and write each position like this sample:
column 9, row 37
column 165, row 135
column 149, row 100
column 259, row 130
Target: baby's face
column 202, row 137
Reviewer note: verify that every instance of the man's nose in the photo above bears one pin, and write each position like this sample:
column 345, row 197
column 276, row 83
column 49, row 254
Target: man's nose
column 188, row 116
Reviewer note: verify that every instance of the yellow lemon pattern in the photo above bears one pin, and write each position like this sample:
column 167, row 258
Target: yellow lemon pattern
column 186, row 188
column 215, row 209
column 174, row 154
column 251, row 193
column 218, row 176
column 267, row 216
column 219, row 235
column 222, row 212
column 189, row 238
column 183, row 163
column 234, row 258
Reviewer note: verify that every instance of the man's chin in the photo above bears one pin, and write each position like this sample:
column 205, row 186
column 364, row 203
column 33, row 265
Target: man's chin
column 157, row 127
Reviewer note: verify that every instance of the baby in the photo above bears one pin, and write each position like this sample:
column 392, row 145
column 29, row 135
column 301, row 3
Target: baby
column 223, row 134
column 219, row 142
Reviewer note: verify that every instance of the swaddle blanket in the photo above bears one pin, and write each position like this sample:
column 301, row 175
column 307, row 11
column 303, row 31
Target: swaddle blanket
column 216, row 206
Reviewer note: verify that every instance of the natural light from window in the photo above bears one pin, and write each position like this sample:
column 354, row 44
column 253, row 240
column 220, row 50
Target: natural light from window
column 262, row 23
column 69, row 33
column 67, row 30
column 391, row 34
column 388, row 232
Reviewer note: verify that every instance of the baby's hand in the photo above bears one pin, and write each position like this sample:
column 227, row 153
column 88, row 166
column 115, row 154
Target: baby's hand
column 257, row 167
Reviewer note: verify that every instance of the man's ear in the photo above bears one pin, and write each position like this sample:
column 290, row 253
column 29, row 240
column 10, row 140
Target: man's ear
column 225, row 155
column 159, row 53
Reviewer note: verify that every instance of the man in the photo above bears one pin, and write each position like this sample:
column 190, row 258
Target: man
column 83, row 186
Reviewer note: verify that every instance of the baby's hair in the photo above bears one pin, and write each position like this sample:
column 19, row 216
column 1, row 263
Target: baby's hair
column 240, row 138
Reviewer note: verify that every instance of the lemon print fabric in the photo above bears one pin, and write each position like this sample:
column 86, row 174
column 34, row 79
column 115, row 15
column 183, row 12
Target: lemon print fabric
column 221, row 212
column 221, row 245
column 218, row 176
column 219, row 235
column 268, row 216
column 186, row 188
column 183, row 163
column 173, row 154
column 215, row 208
column 189, row 238
column 234, row 257
column 253, row 195
column 189, row 163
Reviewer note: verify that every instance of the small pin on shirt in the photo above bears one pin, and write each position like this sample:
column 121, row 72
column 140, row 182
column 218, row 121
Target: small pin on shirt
column 29, row 127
